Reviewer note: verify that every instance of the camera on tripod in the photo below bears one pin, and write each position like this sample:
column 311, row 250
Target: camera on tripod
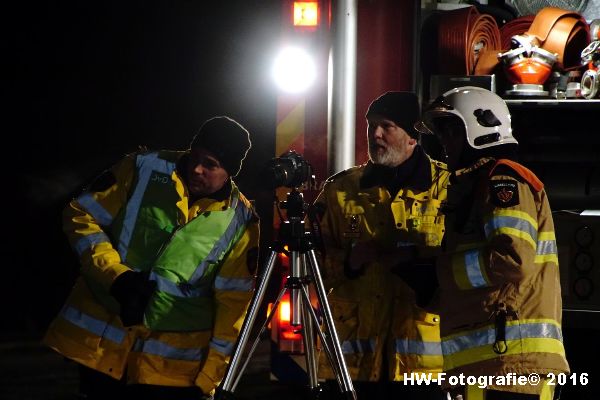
column 290, row 170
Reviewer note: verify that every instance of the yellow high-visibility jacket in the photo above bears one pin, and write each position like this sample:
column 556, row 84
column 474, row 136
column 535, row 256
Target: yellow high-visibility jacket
column 88, row 329
column 499, row 278
column 376, row 312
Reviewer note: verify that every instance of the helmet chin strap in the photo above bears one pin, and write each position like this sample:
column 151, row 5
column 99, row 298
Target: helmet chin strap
column 469, row 155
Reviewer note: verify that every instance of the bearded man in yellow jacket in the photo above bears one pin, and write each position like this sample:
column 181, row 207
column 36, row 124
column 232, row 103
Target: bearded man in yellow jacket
column 381, row 226
column 168, row 247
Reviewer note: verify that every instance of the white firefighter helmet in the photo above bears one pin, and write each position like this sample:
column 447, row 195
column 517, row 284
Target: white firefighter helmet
column 485, row 116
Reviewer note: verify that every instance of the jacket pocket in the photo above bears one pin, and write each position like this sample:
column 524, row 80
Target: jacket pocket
column 425, row 222
column 417, row 345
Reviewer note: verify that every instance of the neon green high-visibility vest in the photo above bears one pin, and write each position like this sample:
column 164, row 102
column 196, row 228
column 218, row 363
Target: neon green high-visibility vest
column 186, row 268
column 182, row 259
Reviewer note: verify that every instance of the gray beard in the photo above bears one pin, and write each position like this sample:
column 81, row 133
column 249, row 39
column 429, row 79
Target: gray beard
column 390, row 157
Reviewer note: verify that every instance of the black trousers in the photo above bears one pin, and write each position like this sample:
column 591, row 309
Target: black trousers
column 387, row 390
column 94, row 385
column 498, row 395
column 490, row 394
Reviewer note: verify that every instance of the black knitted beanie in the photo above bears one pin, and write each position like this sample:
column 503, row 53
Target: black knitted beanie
column 226, row 139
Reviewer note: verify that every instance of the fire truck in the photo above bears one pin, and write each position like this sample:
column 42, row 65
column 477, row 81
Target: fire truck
column 337, row 56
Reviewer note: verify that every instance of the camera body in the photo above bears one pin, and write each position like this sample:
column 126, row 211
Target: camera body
column 290, row 170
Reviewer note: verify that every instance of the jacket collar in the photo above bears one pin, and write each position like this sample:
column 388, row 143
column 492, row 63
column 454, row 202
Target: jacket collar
column 414, row 173
column 484, row 162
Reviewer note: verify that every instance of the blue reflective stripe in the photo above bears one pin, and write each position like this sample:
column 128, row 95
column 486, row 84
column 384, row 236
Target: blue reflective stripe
column 521, row 224
column 146, row 164
column 87, row 241
column 358, row 346
column 488, row 336
column 236, row 284
column 158, row 348
column 154, row 163
column 95, row 209
column 222, row 346
column 473, row 269
column 93, row 325
column 476, row 339
column 241, row 217
column 179, row 289
column 546, row 247
column 408, row 346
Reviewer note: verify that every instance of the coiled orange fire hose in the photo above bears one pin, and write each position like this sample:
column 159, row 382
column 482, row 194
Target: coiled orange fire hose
column 468, row 42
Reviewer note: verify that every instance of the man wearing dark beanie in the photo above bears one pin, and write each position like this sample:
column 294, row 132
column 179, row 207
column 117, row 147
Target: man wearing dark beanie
column 227, row 140
column 223, row 140
column 381, row 226
column 168, row 247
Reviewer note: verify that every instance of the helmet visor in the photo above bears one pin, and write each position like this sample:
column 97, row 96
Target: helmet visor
column 438, row 108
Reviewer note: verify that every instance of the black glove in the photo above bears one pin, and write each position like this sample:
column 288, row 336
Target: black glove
column 132, row 290
column 421, row 278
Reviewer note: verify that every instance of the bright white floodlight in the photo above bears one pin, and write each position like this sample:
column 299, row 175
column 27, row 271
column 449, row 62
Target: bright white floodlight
column 294, row 70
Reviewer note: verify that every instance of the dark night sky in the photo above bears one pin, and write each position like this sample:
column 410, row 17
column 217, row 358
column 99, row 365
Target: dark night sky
column 90, row 81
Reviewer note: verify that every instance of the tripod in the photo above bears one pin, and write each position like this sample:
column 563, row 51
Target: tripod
column 304, row 270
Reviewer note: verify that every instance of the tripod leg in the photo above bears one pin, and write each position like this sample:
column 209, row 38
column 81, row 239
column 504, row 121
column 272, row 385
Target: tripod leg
column 308, row 337
column 258, row 336
column 346, row 383
column 316, row 391
column 296, row 272
column 227, row 385
column 331, row 356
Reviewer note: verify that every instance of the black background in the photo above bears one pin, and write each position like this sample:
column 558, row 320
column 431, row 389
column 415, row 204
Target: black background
column 87, row 82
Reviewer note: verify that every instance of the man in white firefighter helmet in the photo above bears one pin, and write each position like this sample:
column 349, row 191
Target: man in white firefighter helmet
column 499, row 280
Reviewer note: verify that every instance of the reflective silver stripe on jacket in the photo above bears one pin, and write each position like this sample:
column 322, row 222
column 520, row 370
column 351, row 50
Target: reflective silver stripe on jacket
column 358, row 346
column 488, row 336
column 93, row 325
column 473, row 269
column 241, row 217
column 146, row 164
column 545, row 247
column 87, row 241
column 520, row 224
column 222, row 346
column 95, row 209
column 235, row 284
column 179, row 290
column 158, row 348
column 409, row 346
